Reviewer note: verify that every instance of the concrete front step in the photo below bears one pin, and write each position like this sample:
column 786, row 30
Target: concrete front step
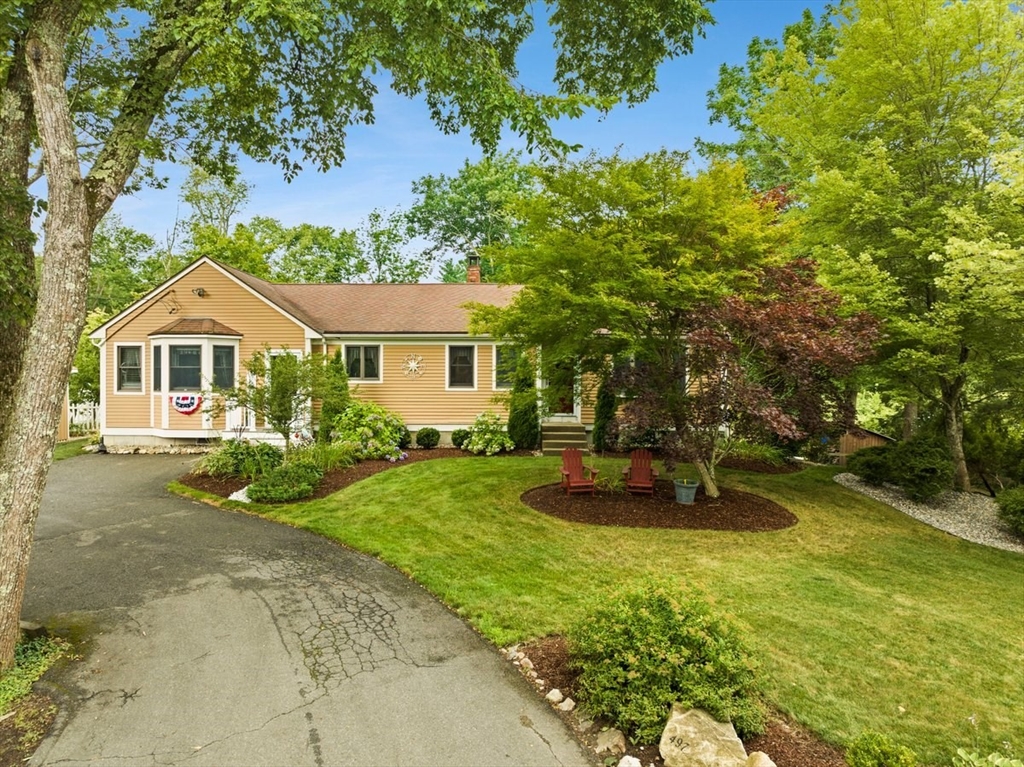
column 558, row 436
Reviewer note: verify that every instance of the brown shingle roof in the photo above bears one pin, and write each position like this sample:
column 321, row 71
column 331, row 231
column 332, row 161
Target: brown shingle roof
column 386, row 308
column 196, row 326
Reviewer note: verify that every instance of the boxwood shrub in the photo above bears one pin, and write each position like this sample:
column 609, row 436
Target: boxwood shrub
column 428, row 437
column 649, row 646
column 871, row 749
column 460, row 437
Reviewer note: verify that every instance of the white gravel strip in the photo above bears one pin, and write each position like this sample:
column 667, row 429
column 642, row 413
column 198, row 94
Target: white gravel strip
column 240, row 495
column 969, row 516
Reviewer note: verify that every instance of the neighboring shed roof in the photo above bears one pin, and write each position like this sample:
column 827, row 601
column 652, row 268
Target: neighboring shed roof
column 196, row 326
column 386, row 308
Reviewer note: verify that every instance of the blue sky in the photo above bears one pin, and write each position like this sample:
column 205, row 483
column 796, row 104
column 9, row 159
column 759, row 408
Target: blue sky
column 384, row 159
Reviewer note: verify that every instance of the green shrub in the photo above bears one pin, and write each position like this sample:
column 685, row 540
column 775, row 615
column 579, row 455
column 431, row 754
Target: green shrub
column 371, row 431
column 523, row 416
column 871, row 464
column 460, row 437
column 650, row 646
column 238, row 458
column 922, row 467
column 1011, row 508
column 290, row 482
column 758, row 451
column 604, row 413
column 871, row 749
column 488, row 435
column 325, row 455
column 405, row 438
column 428, row 437
column 964, row 758
column 335, row 396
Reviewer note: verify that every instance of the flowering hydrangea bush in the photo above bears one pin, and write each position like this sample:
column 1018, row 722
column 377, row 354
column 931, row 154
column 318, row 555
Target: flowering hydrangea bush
column 488, row 435
column 370, row 431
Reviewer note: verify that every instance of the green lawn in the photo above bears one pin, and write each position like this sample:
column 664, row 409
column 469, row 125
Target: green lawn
column 865, row 619
column 69, row 449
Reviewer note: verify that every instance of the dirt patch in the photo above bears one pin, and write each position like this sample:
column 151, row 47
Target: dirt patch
column 733, row 510
column 788, row 744
column 25, row 725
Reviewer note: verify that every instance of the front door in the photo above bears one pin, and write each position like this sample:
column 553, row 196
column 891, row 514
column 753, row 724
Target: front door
column 563, row 391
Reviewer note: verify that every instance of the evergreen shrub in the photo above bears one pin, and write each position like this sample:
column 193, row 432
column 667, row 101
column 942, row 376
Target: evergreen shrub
column 428, row 438
column 290, row 482
column 1011, row 508
column 649, row 646
column 604, row 414
column 523, row 416
column 460, row 437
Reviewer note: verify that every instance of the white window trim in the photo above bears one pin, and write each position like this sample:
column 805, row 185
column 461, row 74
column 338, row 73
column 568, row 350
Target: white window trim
column 494, row 369
column 380, row 362
column 448, row 367
column 141, row 345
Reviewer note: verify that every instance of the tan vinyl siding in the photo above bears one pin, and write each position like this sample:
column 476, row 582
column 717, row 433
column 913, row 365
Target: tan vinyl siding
column 588, row 398
column 423, row 400
column 225, row 301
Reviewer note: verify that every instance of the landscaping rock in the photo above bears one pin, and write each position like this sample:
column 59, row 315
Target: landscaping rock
column 630, row 761
column 555, row 696
column 526, row 663
column 612, row 741
column 692, row 738
column 759, row 759
column 31, row 630
column 567, row 705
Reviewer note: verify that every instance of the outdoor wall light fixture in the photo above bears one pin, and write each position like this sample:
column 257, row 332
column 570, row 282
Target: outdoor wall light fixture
column 199, row 292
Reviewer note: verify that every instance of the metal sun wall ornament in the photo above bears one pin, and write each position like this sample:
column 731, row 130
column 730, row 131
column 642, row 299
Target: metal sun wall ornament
column 413, row 366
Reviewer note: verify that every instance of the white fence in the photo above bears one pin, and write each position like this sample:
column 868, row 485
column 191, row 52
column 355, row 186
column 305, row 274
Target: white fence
column 83, row 418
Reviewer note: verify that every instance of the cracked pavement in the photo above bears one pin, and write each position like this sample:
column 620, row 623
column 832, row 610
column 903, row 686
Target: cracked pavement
column 217, row 638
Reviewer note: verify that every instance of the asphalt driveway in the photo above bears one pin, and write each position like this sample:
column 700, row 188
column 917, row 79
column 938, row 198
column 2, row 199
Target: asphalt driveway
column 216, row 638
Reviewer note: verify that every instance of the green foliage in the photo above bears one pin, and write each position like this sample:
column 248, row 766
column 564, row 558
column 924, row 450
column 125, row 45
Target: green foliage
column 921, row 466
column 462, row 215
column 428, row 437
column 523, row 416
column 604, row 414
column 649, row 646
column 1011, row 508
column 758, row 451
column 291, row 481
column 381, row 241
column 325, row 455
column 240, row 458
column 334, row 397
column 872, row 464
column 460, row 437
column 965, row 758
column 875, row 750
column 488, row 435
column 371, row 431
column 405, row 439
column 32, row 657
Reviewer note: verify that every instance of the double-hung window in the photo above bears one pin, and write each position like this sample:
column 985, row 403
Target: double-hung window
column 461, row 367
column 186, row 367
column 505, row 360
column 363, row 362
column 224, row 366
column 129, row 368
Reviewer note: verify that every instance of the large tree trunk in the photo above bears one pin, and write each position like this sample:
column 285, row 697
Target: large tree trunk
column 17, row 261
column 27, row 445
column 954, row 424
column 909, row 421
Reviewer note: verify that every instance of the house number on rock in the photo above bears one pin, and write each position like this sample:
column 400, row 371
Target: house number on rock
column 413, row 366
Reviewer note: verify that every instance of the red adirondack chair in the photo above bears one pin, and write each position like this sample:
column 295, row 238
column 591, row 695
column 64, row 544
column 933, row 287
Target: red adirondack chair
column 573, row 479
column 640, row 474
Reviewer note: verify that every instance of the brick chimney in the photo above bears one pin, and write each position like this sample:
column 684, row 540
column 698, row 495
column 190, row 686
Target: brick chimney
column 473, row 269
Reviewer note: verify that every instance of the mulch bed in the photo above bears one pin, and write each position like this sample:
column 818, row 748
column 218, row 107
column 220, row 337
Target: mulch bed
column 788, row 744
column 336, row 479
column 733, row 510
column 21, row 733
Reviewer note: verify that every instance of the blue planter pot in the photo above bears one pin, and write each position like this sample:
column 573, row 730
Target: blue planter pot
column 686, row 490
